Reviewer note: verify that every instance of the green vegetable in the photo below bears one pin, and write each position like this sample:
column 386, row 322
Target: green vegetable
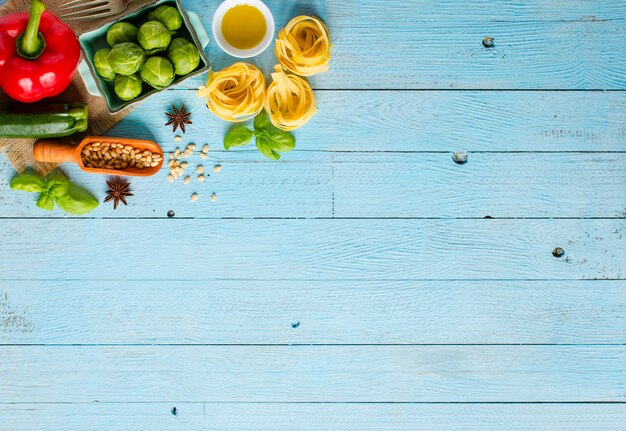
column 270, row 140
column 157, row 72
column 168, row 16
column 56, row 187
column 126, row 58
column 121, row 32
column 128, row 87
column 154, row 37
column 237, row 136
column 184, row 56
column 42, row 120
column 101, row 62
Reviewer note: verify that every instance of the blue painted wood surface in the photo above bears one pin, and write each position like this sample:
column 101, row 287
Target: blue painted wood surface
column 356, row 284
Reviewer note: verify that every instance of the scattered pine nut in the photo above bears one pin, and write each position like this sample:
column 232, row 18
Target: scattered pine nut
column 187, row 179
column 194, row 197
column 217, row 168
column 205, row 149
column 178, row 138
column 203, row 155
column 191, row 147
column 184, row 165
column 200, row 169
column 213, row 197
column 201, row 178
column 170, row 178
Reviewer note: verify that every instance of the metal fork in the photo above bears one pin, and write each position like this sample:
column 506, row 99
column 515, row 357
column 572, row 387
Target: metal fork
column 92, row 9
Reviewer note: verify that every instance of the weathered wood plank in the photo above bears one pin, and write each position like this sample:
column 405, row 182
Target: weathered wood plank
column 312, row 373
column 312, row 312
column 313, row 417
column 310, row 249
column 422, row 121
column 424, row 45
column 307, row 184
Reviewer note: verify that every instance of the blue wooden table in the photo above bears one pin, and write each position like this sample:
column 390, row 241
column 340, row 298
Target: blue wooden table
column 366, row 281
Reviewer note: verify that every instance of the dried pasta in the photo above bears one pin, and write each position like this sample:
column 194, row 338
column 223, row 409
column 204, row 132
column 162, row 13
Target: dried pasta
column 235, row 93
column 303, row 46
column 290, row 101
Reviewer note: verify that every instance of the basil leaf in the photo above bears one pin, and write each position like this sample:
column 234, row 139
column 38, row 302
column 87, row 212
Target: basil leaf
column 282, row 141
column 237, row 136
column 76, row 200
column 46, row 201
column 265, row 147
column 261, row 121
column 57, row 183
column 28, row 182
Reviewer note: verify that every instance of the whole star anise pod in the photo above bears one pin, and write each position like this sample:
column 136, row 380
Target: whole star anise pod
column 179, row 118
column 118, row 191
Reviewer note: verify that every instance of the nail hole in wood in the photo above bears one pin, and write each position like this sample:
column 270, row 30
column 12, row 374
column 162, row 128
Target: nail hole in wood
column 295, row 323
column 459, row 157
column 171, row 213
column 558, row 252
column 174, row 411
column 488, row 42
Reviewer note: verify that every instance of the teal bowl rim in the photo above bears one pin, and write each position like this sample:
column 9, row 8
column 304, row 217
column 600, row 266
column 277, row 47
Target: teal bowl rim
column 192, row 32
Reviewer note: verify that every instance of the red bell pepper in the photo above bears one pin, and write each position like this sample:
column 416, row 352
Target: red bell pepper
column 38, row 54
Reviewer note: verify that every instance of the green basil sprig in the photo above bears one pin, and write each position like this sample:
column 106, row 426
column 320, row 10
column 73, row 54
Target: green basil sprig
column 56, row 187
column 270, row 140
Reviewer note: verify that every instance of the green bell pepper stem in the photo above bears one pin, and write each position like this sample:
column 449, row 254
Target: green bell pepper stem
column 31, row 41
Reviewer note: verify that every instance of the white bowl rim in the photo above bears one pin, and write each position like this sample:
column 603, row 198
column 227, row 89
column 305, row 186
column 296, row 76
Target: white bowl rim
column 242, row 53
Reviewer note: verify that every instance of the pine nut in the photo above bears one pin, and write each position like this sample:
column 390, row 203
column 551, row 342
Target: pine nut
column 113, row 155
column 217, row 168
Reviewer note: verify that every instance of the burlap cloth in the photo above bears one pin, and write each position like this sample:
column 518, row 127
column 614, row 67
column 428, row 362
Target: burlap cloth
column 20, row 151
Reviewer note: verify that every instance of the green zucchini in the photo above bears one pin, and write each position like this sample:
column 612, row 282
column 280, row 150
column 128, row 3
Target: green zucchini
column 43, row 120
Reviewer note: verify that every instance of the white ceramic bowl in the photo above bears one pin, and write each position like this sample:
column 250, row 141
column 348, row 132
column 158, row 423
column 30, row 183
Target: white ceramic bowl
column 229, row 49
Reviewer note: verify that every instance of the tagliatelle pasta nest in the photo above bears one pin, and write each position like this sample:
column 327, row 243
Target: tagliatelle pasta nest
column 235, row 93
column 303, row 46
column 290, row 101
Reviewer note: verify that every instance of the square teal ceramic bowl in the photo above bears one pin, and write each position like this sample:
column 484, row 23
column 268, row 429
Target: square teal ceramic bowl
column 192, row 30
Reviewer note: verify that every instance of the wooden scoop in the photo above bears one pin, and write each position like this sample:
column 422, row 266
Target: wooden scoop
column 56, row 152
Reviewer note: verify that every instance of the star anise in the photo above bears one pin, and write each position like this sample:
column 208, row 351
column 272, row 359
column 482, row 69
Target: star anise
column 178, row 118
column 118, row 191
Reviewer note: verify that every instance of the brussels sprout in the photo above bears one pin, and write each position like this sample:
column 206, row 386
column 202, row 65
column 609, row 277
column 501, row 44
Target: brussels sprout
column 168, row 16
column 121, row 32
column 154, row 37
column 158, row 72
column 126, row 58
column 128, row 87
column 184, row 56
column 101, row 62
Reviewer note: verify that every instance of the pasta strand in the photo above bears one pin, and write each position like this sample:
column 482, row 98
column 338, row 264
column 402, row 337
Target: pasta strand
column 290, row 101
column 235, row 93
column 303, row 46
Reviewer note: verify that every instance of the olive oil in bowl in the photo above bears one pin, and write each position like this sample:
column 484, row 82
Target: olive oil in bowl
column 243, row 28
